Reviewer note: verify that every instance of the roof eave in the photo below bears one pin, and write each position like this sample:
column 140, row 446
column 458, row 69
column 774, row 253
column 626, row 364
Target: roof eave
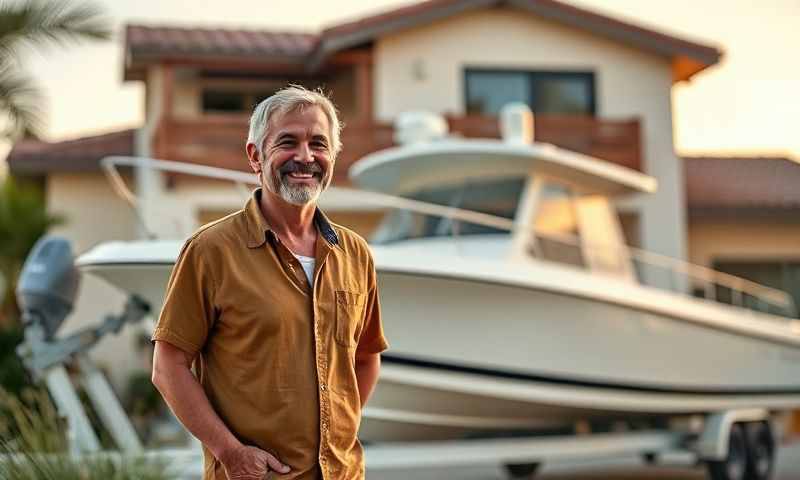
column 685, row 67
column 139, row 61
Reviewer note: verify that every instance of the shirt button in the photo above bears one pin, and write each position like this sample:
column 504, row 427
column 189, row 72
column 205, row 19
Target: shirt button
column 323, row 387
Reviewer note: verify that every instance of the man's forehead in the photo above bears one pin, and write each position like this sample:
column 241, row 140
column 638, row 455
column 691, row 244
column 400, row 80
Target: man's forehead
column 310, row 120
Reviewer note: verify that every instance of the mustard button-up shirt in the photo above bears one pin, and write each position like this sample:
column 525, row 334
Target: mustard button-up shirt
column 275, row 355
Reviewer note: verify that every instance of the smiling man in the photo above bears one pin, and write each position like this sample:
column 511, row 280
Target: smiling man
column 277, row 310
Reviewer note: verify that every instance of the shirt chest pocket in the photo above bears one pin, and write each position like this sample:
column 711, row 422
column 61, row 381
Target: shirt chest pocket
column 349, row 317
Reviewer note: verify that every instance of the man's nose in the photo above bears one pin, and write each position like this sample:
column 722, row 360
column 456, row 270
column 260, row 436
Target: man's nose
column 304, row 153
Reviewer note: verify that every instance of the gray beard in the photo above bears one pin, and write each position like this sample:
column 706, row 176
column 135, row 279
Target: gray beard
column 299, row 194
column 293, row 194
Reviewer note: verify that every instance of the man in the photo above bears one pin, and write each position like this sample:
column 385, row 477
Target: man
column 277, row 310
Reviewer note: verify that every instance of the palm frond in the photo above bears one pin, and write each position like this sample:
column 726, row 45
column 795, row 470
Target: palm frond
column 43, row 24
column 21, row 101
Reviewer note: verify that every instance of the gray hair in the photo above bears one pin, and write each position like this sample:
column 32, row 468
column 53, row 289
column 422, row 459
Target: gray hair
column 287, row 100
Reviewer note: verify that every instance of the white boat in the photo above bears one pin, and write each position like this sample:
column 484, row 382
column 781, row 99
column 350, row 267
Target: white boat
column 513, row 306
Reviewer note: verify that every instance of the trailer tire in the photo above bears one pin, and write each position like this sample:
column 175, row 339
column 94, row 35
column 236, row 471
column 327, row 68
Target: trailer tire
column 522, row 470
column 734, row 466
column 760, row 450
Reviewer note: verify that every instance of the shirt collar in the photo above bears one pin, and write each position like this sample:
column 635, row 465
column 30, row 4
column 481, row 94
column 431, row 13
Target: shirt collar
column 258, row 228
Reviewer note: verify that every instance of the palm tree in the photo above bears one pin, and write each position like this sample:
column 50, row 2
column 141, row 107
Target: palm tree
column 23, row 219
column 26, row 25
column 37, row 24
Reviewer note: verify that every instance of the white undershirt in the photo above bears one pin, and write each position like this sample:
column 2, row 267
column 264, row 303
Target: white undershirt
column 308, row 264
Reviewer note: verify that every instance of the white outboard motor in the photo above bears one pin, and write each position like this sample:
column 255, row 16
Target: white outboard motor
column 416, row 127
column 46, row 293
column 48, row 285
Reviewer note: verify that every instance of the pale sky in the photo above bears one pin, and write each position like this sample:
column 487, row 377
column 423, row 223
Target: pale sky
column 749, row 103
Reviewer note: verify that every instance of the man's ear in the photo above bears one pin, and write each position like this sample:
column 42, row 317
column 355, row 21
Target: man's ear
column 253, row 157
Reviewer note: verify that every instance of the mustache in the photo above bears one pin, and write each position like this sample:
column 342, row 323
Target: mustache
column 292, row 166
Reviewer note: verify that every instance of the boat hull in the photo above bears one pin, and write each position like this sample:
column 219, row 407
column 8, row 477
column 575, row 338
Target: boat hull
column 496, row 359
column 475, row 356
column 532, row 333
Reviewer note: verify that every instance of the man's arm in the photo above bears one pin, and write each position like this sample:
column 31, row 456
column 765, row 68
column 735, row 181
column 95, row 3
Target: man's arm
column 173, row 377
column 368, row 366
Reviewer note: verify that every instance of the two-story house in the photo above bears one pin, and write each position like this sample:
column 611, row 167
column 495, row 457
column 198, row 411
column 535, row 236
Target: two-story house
column 597, row 85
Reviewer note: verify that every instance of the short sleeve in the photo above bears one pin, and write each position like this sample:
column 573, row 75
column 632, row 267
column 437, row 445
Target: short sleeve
column 188, row 312
column 372, row 339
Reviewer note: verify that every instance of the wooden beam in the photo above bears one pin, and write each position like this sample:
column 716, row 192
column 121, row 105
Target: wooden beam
column 351, row 57
column 167, row 90
column 364, row 90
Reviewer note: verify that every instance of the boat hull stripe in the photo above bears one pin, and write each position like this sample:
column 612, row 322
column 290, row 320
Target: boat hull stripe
column 527, row 377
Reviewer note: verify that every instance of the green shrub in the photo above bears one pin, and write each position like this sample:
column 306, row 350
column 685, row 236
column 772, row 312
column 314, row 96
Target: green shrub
column 13, row 377
column 33, row 446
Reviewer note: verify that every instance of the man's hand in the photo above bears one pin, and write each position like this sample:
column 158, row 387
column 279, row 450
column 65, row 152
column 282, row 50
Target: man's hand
column 250, row 463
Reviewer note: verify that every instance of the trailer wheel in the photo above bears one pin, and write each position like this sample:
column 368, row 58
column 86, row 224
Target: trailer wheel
column 734, row 467
column 522, row 470
column 760, row 450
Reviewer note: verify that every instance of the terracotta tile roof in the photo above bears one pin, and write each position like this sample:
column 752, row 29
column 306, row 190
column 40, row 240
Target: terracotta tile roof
column 31, row 157
column 742, row 183
column 173, row 41
column 148, row 43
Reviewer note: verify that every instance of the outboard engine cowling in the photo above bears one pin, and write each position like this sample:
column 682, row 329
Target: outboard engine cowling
column 48, row 284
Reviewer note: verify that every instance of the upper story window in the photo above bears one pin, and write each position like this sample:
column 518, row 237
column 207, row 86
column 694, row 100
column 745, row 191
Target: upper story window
column 487, row 91
column 217, row 100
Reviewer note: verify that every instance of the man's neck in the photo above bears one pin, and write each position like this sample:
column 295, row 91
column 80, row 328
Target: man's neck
column 294, row 224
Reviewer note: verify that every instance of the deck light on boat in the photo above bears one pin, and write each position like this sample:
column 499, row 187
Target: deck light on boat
column 516, row 123
column 417, row 127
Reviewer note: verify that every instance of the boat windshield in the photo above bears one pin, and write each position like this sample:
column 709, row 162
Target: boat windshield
column 498, row 197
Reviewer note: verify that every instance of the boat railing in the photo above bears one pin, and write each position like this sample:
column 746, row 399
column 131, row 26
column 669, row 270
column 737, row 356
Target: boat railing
column 704, row 282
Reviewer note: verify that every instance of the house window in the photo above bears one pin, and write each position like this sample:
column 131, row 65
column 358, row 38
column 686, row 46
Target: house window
column 223, row 101
column 782, row 275
column 230, row 101
column 545, row 92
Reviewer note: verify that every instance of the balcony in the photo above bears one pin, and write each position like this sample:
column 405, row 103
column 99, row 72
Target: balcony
column 219, row 140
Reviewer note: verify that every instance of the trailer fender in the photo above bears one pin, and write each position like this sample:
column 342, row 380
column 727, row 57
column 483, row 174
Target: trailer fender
column 713, row 441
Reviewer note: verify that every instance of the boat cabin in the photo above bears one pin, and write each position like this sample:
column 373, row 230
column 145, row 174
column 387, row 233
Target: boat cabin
column 536, row 200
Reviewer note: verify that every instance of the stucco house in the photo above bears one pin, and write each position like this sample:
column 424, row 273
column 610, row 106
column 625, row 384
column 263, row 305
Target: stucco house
column 597, row 85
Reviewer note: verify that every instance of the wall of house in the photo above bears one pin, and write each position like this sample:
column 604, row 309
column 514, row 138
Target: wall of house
column 711, row 240
column 423, row 68
column 94, row 214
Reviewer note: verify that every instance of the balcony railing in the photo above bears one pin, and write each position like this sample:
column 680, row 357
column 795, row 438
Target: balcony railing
column 219, row 140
